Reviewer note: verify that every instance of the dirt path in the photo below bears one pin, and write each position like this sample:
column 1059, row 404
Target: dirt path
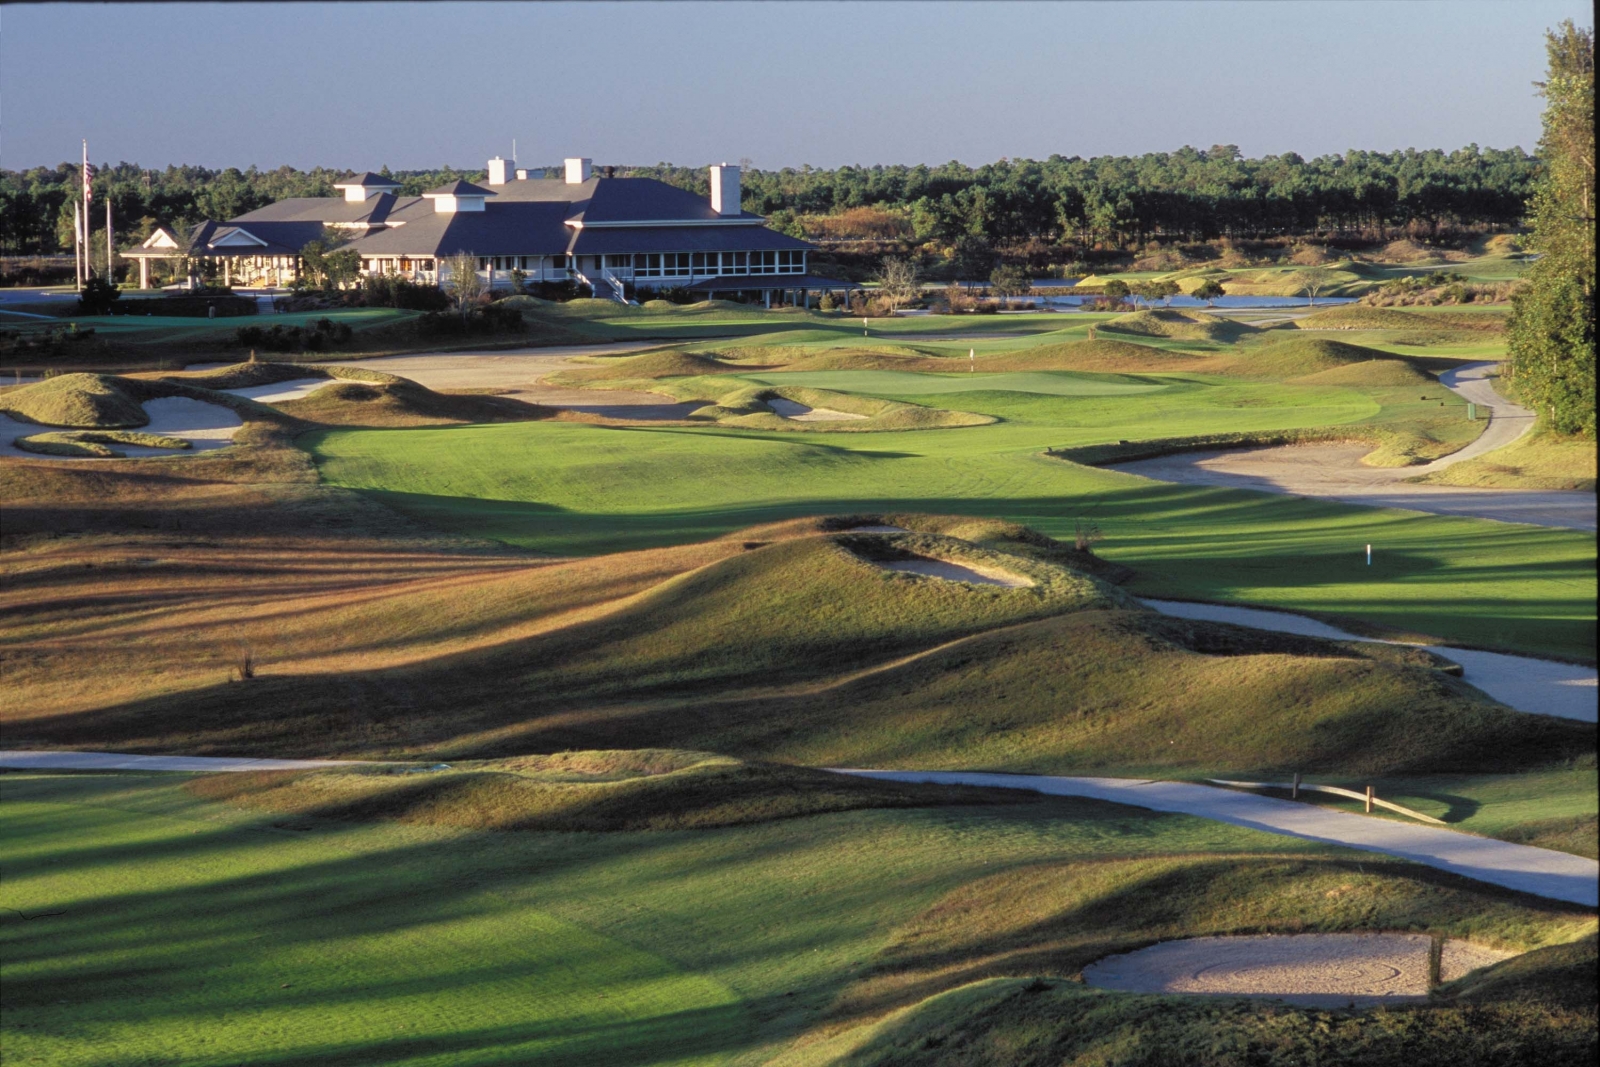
column 1537, row 686
column 1542, row 872
column 1335, row 472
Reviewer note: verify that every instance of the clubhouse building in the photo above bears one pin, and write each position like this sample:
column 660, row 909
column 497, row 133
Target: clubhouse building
column 595, row 230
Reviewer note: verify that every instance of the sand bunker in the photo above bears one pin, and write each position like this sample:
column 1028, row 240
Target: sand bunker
column 278, row 392
column 957, row 572
column 1321, row 970
column 204, row 426
column 800, row 413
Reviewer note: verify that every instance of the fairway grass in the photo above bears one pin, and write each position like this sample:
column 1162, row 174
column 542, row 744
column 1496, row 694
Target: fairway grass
column 163, row 928
column 564, row 489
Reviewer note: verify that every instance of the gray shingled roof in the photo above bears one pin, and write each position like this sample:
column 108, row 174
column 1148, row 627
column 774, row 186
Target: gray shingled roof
column 460, row 188
column 502, row 230
column 381, row 208
column 368, row 180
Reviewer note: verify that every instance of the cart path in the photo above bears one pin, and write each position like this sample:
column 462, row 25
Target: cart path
column 1539, row 871
column 1334, row 471
column 1537, row 686
column 1542, row 872
column 111, row 761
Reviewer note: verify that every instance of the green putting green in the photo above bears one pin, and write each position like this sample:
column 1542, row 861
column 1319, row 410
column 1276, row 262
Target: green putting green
column 888, row 383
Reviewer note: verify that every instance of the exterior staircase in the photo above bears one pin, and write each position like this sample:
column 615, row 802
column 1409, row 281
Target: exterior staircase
column 605, row 285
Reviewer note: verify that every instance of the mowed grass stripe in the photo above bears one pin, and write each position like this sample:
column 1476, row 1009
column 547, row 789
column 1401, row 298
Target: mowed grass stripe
column 329, row 950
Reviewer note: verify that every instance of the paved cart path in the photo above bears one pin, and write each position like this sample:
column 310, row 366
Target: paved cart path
column 1543, row 872
column 1335, row 472
column 1540, row 871
column 1538, row 686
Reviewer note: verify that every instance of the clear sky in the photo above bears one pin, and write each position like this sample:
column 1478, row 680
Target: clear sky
column 783, row 84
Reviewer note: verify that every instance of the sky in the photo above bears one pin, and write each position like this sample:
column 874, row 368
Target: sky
column 414, row 86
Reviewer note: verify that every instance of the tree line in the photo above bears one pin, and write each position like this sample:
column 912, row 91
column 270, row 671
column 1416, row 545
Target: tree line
column 1551, row 334
column 1190, row 194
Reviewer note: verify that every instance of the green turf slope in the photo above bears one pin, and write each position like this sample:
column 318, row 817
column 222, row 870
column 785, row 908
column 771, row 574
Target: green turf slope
column 158, row 928
column 808, row 651
column 568, row 488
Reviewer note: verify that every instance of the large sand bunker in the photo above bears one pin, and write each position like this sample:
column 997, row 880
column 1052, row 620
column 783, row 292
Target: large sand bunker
column 204, row 426
column 956, row 572
column 1319, row 970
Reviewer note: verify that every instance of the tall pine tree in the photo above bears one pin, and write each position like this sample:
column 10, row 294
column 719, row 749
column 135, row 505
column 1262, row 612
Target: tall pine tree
column 1551, row 337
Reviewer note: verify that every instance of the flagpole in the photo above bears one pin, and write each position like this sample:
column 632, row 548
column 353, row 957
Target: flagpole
column 111, row 274
column 77, row 242
column 88, row 249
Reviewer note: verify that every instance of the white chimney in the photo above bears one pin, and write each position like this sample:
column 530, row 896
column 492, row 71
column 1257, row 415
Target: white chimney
column 578, row 170
column 497, row 171
column 522, row 175
column 725, row 190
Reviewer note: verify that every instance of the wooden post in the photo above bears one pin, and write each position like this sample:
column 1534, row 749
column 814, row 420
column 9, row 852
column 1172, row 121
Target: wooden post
column 1294, row 790
column 1369, row 800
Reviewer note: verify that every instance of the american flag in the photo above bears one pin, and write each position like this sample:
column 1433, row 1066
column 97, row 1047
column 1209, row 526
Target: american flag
column 88, row 176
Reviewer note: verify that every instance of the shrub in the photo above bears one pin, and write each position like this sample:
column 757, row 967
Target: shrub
column 97, row 296
column 323, row 334
column 489, row 318
column 392, row 291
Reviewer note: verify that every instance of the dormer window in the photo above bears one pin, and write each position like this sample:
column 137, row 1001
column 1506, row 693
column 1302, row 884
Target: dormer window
column 458, row 196
column 366, row 186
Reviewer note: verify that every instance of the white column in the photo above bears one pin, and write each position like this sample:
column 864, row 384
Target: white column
column 144, row 273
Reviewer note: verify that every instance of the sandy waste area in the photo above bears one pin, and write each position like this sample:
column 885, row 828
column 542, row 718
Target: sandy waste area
column 1312, row 969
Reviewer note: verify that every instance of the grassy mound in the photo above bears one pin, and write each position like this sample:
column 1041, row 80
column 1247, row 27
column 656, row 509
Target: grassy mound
column 94, row 443
column 1040, row 1023
column 1055, row 919
column 803, row 650
column 405, row 403
column 1372, row 372
column 1171, row 322
column 1094, row 691
column 261, row 372
column 668, row 363
column 88, row 401
column 1562, row 976
column 1537, row 460
column 578, row 791
column 1297, row 357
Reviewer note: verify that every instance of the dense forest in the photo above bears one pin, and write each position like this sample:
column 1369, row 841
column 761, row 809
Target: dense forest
column 1110, row 200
